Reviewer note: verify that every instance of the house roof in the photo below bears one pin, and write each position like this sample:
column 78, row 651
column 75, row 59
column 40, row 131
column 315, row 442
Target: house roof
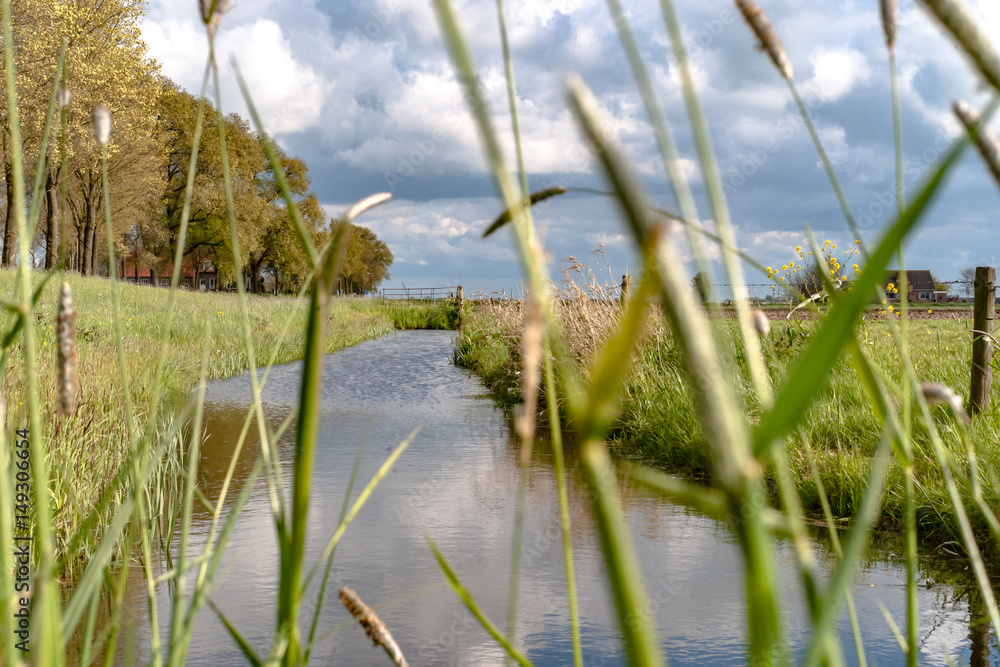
column 921, row 280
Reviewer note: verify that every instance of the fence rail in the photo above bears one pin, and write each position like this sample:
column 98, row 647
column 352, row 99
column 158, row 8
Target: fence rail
column 418, row 293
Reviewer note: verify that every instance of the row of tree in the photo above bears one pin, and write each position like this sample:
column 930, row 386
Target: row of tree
column 149, row 156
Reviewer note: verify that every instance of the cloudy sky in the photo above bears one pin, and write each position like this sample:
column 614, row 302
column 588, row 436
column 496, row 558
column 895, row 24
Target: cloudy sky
column 364, row 91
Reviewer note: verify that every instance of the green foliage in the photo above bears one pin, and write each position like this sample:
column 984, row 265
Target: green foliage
column 367, row 262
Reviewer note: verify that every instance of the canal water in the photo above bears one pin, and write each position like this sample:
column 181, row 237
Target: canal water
column 457, row 484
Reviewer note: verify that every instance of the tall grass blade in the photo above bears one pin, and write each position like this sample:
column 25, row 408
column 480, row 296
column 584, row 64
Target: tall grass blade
column 470, row 603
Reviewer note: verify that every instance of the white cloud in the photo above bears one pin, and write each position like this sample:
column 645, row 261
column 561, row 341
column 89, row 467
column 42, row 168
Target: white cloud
column 288, row 94
column 835, row 73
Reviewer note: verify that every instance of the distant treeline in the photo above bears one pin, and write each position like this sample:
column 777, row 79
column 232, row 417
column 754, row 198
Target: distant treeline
column 149, row 154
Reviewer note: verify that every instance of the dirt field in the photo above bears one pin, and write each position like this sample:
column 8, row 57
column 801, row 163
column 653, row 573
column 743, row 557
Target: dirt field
column 916, row 312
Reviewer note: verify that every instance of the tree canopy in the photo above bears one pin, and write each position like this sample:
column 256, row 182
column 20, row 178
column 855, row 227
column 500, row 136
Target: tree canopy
column 151, row 143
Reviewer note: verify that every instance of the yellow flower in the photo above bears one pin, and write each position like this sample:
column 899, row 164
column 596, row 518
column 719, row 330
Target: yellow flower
column 855, row 266
column 798, row 248
column 857, row 241
column 928, row 311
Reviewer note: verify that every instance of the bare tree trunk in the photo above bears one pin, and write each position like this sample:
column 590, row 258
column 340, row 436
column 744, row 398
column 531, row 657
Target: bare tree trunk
column 51, row 223
column 88, row 238
column 7, row 255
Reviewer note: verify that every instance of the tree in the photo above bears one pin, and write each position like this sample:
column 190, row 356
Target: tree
column 701, row 286
column 968, row 276
column 106, row 62
column 366, row 263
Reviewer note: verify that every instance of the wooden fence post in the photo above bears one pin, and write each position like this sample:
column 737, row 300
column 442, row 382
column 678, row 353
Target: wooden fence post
column 626, row 287
column 982, row 345
column 461, row 306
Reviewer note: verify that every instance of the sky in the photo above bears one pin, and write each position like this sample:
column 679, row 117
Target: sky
column 366, row 93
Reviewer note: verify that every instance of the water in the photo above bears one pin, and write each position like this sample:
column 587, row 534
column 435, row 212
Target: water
column 457, row 484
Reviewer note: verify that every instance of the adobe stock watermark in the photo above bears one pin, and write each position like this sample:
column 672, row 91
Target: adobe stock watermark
column 363, row 36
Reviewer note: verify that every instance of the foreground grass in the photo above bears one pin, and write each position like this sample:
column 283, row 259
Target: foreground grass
column 658, row 423
column 89, row 448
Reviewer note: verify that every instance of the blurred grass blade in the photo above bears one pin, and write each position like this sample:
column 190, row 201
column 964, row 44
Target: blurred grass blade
column 638, row 633
column 359, row 503
column 606, row 381
column 470, row 603
column 535, row 197
column 243, row 644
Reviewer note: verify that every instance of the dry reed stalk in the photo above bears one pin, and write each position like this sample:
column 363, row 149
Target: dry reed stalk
column 66, row 352
column 986, row 140
column 531, row 360
column 373, row 626
column 955, row 18
column 767, row 38
column 890, row 21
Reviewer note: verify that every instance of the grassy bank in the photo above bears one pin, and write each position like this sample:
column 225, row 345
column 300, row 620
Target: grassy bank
column 88, row 449
column 658, row 423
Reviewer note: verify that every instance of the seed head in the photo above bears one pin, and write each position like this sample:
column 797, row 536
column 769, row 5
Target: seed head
column 63, row 98
column 890, row 21
column 66, row 352
column 212, row 11
column 954, row 18
column 373, row 626
column 767, row 38
column 935, row 392
column 986, row 140
column 760, row 322
column 102, row 124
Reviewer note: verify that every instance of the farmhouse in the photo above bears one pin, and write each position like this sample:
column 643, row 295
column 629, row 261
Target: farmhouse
column 920, row 286
column 199, row 275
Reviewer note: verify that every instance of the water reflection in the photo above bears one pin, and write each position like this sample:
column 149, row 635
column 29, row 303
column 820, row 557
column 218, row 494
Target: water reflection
column 457, row 483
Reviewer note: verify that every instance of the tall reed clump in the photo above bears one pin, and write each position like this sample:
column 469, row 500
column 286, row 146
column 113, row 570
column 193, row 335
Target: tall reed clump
column 755, row 415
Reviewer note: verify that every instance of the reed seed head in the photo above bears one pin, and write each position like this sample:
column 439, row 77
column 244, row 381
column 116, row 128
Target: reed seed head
column 66, row 350
column 63, row 98
column 935, row 392
column 760, row 322
column 954, row 18
column 985, row 139
column 212, row 11
column 890, row 21
column 373, row 626
column 767, row 38
column 102, row 124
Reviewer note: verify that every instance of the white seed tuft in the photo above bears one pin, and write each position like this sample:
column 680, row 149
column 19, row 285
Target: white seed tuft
column 102, row 124
column 935, row 392
column 760, row 322
column 63, row 98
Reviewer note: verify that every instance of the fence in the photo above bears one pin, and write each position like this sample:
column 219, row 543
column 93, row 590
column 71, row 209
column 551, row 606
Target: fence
column 418, row 293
